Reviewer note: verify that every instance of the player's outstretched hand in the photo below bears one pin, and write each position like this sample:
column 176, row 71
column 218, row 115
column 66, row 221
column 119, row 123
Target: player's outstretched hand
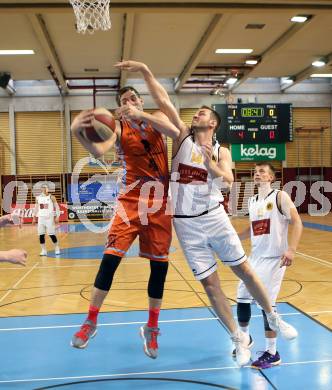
column 131, row 66
column 81, row 121
column 16, row 256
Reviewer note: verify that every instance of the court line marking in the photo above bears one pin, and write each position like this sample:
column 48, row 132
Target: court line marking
column 127, row 374
column 75, row 265
column 316, row 259
column 86, row 265
column 18, row 282
column 141, row 322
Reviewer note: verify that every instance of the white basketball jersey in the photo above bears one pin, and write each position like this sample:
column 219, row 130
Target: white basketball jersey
column 46, row 206
column 193, row 189
column 269, row 227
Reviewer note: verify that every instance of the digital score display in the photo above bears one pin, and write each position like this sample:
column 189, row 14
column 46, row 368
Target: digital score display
column 254, row 123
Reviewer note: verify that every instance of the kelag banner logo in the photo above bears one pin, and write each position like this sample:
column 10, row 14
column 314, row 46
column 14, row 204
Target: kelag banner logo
column 257, row 152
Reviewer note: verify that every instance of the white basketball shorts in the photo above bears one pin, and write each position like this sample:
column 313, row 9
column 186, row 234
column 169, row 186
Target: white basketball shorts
column 269, row 271
column 46, row 225
column 204, row 236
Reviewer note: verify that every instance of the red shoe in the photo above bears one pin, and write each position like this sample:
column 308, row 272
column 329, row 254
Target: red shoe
column 81, row 338
column 149, row 336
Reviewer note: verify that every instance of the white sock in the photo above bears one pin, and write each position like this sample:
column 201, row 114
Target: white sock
column 271, row 345
column 237, row 333
column 43, row 246
column 245, row 329
column 270, row 315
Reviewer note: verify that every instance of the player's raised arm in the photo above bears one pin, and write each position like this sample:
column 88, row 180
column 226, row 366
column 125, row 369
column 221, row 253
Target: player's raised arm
column 157, row 120
column 84, row 120
column 157, row 91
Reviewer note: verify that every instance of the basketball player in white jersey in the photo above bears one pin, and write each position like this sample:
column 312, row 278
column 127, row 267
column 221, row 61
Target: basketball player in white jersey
column 200, row 221
column 270, row 213
column 48, row 213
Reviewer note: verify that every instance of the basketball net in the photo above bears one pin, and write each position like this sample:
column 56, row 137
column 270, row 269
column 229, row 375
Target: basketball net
column 91, row 15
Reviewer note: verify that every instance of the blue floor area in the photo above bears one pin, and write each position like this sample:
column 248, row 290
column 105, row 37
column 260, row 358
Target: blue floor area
column 317, row 226
column 81, row 228
column 195, row 353
column 92, row 252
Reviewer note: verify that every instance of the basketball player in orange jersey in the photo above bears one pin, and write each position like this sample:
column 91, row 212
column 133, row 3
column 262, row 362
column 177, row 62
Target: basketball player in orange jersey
column 14, row 256
column 142, row 148
column 201, row 223
column 270, row 213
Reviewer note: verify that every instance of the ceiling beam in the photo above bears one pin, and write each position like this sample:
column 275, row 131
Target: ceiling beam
column 305, row 73
column 207, row 39
column 127, row 43
column 146, row 6
column 46, row 43
column 274, row 47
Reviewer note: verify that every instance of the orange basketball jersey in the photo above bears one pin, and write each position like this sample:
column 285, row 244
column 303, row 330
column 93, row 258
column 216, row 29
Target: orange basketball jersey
column 144, row 155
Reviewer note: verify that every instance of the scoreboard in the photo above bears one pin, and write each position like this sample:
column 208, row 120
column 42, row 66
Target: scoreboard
column 255, row 123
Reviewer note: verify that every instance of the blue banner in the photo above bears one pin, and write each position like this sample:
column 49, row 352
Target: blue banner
column 104, row 192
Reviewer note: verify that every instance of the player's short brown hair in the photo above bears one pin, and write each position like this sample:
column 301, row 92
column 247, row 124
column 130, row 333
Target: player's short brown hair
column 214, row 115
column 124, row 90
column 268, row 164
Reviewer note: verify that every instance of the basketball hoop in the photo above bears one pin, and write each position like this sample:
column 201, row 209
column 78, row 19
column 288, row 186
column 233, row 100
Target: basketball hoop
column 91, row 15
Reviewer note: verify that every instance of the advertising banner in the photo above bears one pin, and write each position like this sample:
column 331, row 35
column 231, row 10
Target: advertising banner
column 256, row 152
column 26, row 212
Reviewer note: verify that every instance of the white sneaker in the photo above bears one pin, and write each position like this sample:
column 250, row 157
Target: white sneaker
column 241, row 344
column 43, row 252
column 57, row 251
column 286, row 330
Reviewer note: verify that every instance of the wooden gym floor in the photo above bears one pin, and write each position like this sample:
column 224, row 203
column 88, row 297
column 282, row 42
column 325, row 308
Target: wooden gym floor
column 61, row 285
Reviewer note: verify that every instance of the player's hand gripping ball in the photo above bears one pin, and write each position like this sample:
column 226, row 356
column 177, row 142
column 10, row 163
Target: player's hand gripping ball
column 102, row 126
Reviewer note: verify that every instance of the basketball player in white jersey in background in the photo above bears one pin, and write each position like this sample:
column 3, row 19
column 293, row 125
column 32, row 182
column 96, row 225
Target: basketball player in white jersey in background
column 48, row 213
column 270, row 213
column 202, row 226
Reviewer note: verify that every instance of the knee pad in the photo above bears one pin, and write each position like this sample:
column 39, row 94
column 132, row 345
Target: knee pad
column 243, row 312
column 108, row 266
column 42, row 238
column 157, row 278
column 53, row 238
column 266, row 322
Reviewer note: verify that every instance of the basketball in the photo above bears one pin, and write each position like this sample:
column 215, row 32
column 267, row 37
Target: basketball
column 102, row 126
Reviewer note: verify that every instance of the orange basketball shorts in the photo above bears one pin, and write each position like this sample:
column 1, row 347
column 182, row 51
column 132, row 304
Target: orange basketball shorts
column 153, row 229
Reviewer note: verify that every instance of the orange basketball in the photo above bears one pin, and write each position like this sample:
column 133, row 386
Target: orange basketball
column 103, row 126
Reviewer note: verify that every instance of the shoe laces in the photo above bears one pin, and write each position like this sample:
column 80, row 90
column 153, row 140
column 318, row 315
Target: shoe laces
column 84, row 331
column 153, row 344
column 265, row 357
